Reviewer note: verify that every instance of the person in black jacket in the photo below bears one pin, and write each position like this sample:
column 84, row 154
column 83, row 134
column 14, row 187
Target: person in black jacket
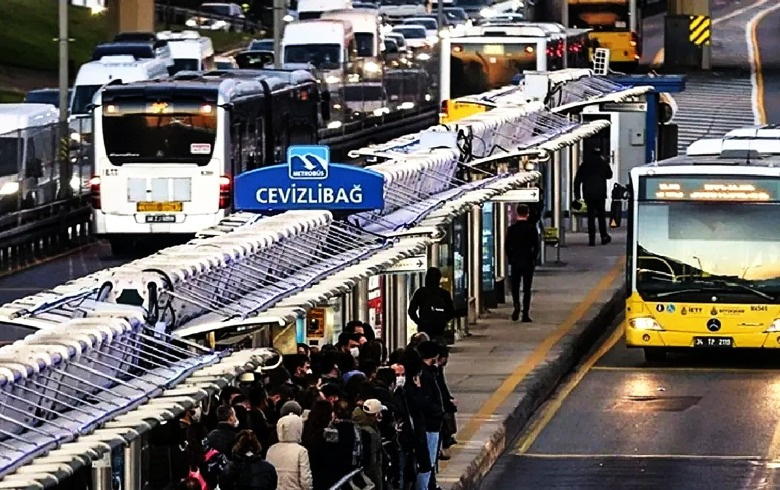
column 248, row 470
column 522, row 249
column 223, row 437
column 431, row 307
column 591, row 180
column 433, row 409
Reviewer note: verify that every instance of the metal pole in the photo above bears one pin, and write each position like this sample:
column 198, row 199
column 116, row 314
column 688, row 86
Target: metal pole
column 574, row 162
column 101, row 473
column 501, row 227
column 433, row 255
column 557, row 213
column 360, row 300
column 280, row 10
column 64, row 153
column 132, row 467
column 475, row 259
column 399, row 307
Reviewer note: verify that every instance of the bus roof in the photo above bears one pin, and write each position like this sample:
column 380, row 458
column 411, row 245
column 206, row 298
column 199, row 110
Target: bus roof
column 14, row 117
column 730, row 161
column 120, row 67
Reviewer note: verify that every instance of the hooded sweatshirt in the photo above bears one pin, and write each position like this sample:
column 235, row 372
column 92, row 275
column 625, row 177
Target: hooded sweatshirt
column 431, row 306
column 290, row 459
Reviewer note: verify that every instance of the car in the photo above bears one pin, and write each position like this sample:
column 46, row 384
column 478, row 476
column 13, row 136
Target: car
column 261, row 45
column 49, row 96
column 225, row 63
column 218, row 17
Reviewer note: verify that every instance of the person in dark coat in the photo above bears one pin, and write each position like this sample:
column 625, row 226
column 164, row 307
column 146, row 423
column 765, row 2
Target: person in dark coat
column 590, row 183
column 343, row 449
column 522, row 249
column 223, row 437
column 433, row 408
column 248, row 470
column 431, row 307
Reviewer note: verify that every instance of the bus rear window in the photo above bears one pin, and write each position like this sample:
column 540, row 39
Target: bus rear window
column 477, row 67
column 169, row 130
column 600, row 17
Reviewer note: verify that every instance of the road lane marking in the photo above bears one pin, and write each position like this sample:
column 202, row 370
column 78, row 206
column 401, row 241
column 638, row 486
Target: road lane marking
column 641, row 456
column 754, row 53
column 555, row 404
column 492, row 404
column 766, row 371
column 658, row 59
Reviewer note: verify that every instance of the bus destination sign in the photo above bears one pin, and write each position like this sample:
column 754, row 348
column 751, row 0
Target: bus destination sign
column 682, row 188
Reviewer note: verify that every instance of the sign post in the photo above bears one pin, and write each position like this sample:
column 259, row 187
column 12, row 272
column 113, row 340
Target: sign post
column 309, row 181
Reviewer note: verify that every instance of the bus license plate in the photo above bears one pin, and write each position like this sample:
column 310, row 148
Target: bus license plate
column 713, row 342
column 159, row 207
column 161, row 218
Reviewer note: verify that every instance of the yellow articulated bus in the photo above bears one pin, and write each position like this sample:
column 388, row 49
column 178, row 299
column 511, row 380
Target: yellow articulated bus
column 703, row 257
column 615, row 25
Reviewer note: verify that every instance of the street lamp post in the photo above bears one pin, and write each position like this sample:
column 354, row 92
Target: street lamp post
column 64, row 153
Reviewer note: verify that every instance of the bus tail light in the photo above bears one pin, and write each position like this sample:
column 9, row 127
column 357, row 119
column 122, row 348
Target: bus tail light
column 94, row 192
column 225, row 191
column 445, row 108
column 645, row 323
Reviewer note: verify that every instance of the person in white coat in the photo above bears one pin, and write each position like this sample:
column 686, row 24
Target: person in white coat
column 289, row 457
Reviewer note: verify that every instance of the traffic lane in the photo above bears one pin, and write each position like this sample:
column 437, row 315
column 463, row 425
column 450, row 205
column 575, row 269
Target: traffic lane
column 58, row 270
column 606, row 473
column 652, row 38
column 618, row 422
column 768, row 35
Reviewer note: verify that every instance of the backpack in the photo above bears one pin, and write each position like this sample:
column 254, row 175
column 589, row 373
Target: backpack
column 195, row 475
column 433, row 308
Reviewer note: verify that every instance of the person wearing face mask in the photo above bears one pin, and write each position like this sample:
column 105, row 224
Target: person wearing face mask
column 302, row 367
column 223, row 437
column 350, row 343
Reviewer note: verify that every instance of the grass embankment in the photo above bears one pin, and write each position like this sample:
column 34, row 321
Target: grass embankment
column 27, row 37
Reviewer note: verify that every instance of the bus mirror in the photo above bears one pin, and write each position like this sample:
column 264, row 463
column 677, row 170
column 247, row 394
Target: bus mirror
column 34, row 169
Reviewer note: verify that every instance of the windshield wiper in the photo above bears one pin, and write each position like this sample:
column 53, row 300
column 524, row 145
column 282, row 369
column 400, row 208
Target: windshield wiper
column 718, row 286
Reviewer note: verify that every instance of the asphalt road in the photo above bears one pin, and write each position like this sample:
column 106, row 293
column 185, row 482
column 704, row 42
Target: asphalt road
column 697, row 421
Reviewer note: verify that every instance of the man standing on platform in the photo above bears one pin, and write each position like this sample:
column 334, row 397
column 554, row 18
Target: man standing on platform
column 522, row 249
column 592, row 177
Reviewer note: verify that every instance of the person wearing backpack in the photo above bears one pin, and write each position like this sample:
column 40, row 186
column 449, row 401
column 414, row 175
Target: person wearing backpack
column 431, row 307
column 204, row 463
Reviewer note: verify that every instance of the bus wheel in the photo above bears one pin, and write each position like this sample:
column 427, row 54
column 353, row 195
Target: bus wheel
column 654, row 354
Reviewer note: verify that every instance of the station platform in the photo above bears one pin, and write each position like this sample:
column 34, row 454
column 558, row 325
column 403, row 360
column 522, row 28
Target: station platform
column 505, row 370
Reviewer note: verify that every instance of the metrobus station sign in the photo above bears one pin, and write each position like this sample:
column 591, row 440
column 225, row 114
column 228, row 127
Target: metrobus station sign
column 308, row 181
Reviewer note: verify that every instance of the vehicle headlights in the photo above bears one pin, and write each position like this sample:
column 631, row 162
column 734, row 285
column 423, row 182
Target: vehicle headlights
column 775, row 327
column 334, row 125
column 423, row 57
column 371, row 67
column 75, row 137
column 288, row 18
column 9, row 188
column 75, row 183
column 487, row 12
column 645, row 323
column 330, row 79
column 191, row 23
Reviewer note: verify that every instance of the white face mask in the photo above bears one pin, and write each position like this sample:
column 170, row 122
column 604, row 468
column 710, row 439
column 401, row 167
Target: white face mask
column 236, row 423
column 308, row 371
column 400, row 381
column 355, row 352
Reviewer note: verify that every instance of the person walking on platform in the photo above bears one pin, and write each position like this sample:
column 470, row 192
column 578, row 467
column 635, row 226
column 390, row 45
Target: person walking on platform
column 431, row 307
column 522, row 249
column 591, row 180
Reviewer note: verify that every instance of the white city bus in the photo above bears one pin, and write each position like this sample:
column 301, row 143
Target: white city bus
column 166, row 152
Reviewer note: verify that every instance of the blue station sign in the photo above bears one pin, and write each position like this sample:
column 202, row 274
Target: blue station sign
column 309, row 181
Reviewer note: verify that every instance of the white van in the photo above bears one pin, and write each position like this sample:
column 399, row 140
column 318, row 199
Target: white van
column 328, row 45
column 313, row 9
column 28, row 155
column 366, row 25
column 95, row 74
column 189, row 50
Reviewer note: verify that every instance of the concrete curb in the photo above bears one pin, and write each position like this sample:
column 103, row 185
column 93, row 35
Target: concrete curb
column 541, row 383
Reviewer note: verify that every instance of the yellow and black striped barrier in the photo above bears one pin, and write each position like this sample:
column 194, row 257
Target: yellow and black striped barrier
column 700, row 28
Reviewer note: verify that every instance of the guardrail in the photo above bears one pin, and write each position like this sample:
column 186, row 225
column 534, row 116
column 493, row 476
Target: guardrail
column 352, row 480
column 33, row 234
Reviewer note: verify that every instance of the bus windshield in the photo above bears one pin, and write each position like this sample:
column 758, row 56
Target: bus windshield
column 174, row 130
column 600, row 17
column 365, row 43
column 82, row 97
column 477, row 68
column 322, row 56
column 697, row 251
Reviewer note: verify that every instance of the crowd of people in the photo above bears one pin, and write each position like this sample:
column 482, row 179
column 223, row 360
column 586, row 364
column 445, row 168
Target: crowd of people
column 349, row 408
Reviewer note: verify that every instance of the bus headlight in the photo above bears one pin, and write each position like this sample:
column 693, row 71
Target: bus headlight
column 9, row 188
column 774, row 327
column 645, row 323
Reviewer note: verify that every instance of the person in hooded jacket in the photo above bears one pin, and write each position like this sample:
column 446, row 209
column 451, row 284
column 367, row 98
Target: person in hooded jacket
column 289, row 457
column 248, row 470
column 592, row 177
column 366, row 416
column 431, row 307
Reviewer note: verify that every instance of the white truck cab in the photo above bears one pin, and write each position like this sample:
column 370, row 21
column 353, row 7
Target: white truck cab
column 313, row 9
column 189, row 50
column 366, row 25
column 327, row 44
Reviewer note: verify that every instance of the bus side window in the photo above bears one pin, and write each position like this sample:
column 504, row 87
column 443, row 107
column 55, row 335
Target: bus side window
column 259, row 141
column 249, row 146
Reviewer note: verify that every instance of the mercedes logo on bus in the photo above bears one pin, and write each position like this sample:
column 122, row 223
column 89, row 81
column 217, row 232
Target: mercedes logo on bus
column 713, row 324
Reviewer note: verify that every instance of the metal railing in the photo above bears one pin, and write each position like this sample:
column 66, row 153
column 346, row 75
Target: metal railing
column 352, row 481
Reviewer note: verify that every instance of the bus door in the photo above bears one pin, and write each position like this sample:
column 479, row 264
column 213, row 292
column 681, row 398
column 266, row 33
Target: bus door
column 603, row 139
